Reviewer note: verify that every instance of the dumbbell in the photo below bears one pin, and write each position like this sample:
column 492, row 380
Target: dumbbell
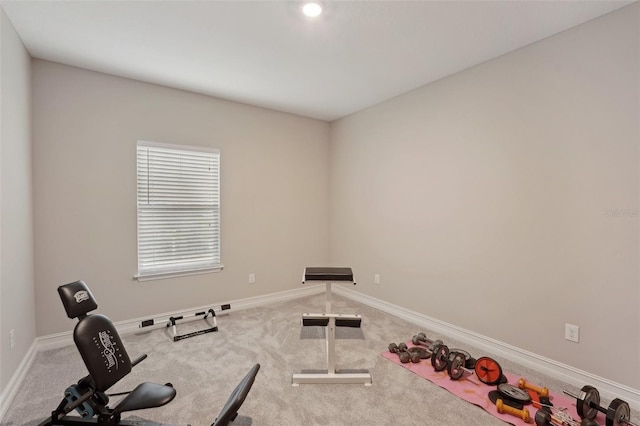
column 588, row 404
column 422, row 352
column 453, row 360
column 422, row 340
column 503, row 408
column 457, row 365
column 469, row 361
column 414, row 356
column 403, row 353
column 542, row 391
column 440, row 357
column 544, row 417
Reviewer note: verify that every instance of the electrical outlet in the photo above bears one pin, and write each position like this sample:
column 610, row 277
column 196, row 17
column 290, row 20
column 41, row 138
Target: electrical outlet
column 12, row 337
column 572, row 332
column 252, row 278
column 376, row 279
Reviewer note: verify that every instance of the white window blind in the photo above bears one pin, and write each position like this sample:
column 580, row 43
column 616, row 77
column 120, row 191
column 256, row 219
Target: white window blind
column 178, row 209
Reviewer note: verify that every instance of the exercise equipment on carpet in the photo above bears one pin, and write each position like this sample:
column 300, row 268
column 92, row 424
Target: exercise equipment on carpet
column 107, row 361
column 521, row 413
column 209, row 317
column 547, row 414
column 499, row 393
column 539, row 395
column 457, row 362
column 511, row 400
column 421, row 339
column 406, row 354
column 460, row 362
column 588, row 405
column 330, row 321
column 488, row 371
column 551, row 416
column 541, row 391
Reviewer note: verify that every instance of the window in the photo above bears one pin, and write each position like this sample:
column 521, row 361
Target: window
column 178, row 210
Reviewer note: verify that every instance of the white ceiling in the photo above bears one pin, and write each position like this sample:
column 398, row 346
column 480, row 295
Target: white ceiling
column 265, row 53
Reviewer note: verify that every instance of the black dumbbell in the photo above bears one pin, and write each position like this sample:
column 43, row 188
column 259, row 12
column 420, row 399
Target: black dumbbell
column 423, row 353
column 440, row 358
column 422, row 340
column 588, row 404
column 454, row 361
column 456, row 367
column 403, row 353
column 469, row 361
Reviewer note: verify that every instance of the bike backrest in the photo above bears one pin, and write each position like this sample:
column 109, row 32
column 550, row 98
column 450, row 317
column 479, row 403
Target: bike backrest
column 95, row 336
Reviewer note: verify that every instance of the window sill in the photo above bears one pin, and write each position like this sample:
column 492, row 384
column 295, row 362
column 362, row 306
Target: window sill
column 164, row 275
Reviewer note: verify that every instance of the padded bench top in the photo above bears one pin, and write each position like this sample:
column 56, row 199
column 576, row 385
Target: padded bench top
column 328, row 274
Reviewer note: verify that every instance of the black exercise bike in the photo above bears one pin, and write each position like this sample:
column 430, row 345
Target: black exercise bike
column 107, row 361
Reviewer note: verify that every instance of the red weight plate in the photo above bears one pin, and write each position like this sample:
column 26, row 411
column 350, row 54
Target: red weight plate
column 488, row 370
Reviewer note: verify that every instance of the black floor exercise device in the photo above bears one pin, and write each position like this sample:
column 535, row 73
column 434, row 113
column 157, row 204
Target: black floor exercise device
column 208, row 315
column 107, row 361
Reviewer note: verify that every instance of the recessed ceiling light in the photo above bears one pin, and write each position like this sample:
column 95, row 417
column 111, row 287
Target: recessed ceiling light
column 312, row 10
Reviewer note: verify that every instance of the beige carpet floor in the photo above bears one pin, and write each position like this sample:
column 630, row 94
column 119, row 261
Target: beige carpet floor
column 205, row 369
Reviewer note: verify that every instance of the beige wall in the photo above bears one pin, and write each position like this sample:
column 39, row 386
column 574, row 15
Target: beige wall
column 17, row 306
column 484, row 199
column 274, row 187
column 502, row 199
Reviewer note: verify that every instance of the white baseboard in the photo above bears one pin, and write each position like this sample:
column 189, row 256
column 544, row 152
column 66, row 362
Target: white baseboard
column 65, row 338
column 608, row 389
column 16, row 380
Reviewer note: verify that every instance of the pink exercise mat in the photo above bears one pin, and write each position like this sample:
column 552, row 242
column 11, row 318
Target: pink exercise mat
column 474, row 391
